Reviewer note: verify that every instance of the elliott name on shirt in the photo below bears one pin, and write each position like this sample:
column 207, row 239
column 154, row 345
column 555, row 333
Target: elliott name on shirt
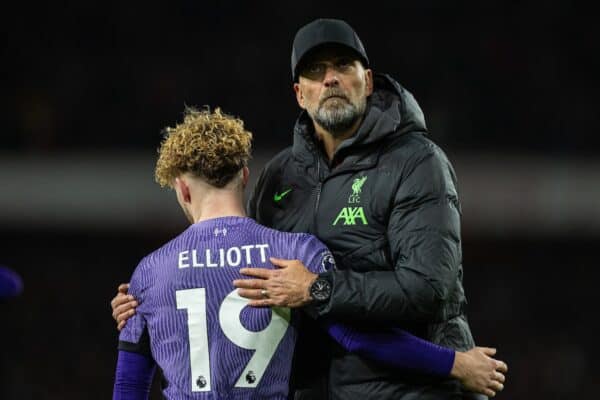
column 230, row 257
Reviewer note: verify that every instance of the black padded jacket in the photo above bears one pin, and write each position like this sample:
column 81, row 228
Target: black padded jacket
column 387, row 208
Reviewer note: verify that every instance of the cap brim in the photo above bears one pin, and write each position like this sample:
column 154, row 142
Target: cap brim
column 307, row 54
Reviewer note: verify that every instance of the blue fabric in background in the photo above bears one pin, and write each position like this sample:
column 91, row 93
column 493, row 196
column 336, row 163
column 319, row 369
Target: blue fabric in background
column 11, row 284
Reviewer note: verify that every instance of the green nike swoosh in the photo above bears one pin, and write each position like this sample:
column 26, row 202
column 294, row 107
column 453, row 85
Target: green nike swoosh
column 278, row 197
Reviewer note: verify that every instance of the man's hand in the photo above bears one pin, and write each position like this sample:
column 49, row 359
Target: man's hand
column 123, row 306
column 286, row 286
column 479, row 372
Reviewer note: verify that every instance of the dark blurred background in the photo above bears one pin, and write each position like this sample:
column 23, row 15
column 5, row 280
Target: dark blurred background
column 509, row 91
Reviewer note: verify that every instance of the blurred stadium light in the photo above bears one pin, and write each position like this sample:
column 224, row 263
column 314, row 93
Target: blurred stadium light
column 500, row 194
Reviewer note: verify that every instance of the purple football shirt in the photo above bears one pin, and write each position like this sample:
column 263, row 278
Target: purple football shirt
column 207, row 342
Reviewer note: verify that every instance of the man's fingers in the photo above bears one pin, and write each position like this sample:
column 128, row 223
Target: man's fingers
column 261, row 303
column 262, row 273
column 280, row 262
column 126, row 315
column 501, row 366
column 249, row 283
column 123, row 287
column 496, row 386
column 252, row 294
column 119, row 304
column 127, row 309
column 125, row 306
column 120, row 299
column 499, row 377
column 489, row 393
column 121, row 325
column 488, row 351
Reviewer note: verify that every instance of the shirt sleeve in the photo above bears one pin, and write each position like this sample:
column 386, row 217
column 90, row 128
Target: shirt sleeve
column 315, row 255
column 134, row 336
column 133, row 377
column 395, row 348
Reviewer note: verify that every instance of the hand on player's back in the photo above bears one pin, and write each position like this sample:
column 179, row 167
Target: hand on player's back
column 479, row 372
column 285, row 286
column 123, row 306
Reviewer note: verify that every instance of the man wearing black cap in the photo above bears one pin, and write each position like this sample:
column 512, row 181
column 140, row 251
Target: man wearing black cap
column 363, row 177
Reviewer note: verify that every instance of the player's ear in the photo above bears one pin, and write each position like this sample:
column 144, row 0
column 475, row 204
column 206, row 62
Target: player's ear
column 245, row 176
column 183, row 190
column 299, row 95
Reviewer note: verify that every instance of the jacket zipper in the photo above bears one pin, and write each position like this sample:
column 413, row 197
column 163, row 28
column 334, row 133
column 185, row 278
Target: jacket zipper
column 318, row 198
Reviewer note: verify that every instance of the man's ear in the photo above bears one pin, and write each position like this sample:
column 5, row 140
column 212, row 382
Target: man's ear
column 245, row 176
column 369, row 81
column 299, row 95
column 184, row 190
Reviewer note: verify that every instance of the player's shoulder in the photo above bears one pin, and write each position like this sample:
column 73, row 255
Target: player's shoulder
column 148, row 270
column 313, row 253
column 155, row 258
column 292, row 236
column 300, row 241
column 308, row 239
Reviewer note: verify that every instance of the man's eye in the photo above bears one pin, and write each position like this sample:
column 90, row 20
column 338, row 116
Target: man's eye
column 315, row 68
column 344, row 64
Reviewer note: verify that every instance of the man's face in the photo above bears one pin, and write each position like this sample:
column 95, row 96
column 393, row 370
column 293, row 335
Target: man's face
column 333, row 87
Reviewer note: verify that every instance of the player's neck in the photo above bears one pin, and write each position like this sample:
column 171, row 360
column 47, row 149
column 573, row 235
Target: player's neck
column 223, row 203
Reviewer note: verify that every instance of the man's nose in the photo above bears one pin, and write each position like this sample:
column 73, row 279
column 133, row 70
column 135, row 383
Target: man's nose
column 331, row 77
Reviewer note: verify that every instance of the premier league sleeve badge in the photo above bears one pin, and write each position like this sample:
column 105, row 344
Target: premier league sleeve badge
column 327, row 261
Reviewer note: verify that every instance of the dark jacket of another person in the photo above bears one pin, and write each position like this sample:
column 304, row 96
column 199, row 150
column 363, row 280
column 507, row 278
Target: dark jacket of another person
column 388, row 209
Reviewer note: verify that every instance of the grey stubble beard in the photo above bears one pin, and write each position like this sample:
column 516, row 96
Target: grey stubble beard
column 338, row 119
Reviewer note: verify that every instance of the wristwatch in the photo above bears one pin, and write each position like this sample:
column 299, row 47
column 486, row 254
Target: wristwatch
column 320, row 290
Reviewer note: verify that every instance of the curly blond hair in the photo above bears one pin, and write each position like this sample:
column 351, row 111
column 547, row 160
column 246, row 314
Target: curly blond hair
column 211, row 145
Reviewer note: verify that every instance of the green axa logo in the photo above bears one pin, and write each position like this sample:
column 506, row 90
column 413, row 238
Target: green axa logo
column 277, row 197
column 349, row 216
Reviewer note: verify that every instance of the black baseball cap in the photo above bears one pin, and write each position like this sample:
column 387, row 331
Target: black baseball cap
column 322, row 32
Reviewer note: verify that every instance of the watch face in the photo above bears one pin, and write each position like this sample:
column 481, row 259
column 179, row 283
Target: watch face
column 320, row 289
